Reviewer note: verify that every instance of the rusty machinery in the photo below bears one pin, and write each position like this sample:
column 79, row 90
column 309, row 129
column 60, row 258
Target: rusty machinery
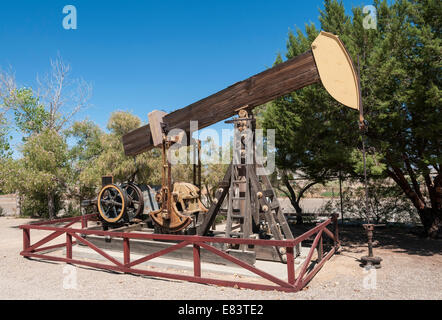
column 370, row 260
column 251, row 201
column 180, row 203
column 120, row 203
column 171, row 209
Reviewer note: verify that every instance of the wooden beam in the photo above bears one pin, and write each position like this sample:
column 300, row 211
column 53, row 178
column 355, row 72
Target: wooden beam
column 210, row 216
column 275, row 82
column 155, row 118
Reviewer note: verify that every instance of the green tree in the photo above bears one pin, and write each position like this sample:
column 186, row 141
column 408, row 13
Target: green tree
column 213, row 172
column 29, row 114
column 41, row 118
column 40, row 174
column 404, row 103
column 313, row 132
column 400, row 79
column 103, row 154
column 86, row 149
column 7, row 83
column 5, row 147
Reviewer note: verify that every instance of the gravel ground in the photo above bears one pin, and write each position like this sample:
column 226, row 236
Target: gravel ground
column 411, row 269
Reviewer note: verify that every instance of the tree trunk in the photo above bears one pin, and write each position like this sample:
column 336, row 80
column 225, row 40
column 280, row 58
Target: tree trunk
column 431, row 217
column 295, row 200
column 435, row 215
column 51, row 205
column 432, row 221
column 298, row 210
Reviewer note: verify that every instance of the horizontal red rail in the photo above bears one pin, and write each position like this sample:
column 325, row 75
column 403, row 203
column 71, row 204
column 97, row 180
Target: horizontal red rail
column 56, row 221
column 135, row 235
column 290, row 285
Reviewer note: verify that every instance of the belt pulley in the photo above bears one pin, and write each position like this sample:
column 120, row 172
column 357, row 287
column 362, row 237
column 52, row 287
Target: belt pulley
column 120, row 203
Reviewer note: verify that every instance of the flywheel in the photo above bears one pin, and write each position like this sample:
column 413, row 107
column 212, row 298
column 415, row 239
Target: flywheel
column 135, row 203
column 112, row 204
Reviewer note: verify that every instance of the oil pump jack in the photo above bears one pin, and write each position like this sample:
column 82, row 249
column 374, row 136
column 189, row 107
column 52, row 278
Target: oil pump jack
column 246, row 198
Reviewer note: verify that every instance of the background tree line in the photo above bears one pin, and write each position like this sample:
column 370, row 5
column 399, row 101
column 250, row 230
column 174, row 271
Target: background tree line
column 61, row 159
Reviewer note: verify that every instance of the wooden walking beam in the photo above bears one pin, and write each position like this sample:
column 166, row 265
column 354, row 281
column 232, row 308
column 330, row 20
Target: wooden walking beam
column 282, row 79
column 328, row 62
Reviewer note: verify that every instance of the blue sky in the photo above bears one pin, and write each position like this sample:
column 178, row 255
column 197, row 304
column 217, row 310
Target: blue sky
column 146, row 55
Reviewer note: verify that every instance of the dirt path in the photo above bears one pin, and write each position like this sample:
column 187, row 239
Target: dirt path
column 411, row 269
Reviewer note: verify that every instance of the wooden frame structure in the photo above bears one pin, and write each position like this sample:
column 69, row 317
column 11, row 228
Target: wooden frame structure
column 250, row 198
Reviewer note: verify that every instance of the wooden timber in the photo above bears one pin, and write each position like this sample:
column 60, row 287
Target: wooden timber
column 280, row 80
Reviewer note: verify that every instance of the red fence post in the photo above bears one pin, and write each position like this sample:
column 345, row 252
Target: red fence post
column 336, row 231
column 290, row 265
column 126, row 248
column 26, row 238
column 196, row 260
column 68, row 246
column 320, row 247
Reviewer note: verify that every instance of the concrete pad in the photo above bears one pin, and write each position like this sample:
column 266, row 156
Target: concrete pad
column 145, row 247
column 276, row 269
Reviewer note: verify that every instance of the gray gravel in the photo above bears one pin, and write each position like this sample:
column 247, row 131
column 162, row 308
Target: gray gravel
column 403, row 276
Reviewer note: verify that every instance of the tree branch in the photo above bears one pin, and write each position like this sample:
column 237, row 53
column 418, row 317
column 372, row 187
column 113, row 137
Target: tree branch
column 399, row 178
column 412, row 176
column 304, row 189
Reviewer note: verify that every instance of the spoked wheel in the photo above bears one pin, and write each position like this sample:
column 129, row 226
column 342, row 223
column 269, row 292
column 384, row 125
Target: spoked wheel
column 112, row 203
column 135, row 203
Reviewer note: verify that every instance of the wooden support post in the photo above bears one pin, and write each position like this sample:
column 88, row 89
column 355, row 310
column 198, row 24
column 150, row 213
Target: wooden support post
column 26, row 239
column 68, row 246
column 126, row 248
column 198, row 184
column 196, row 260
column 230, row 202
column 247, row 223
column 290, row 265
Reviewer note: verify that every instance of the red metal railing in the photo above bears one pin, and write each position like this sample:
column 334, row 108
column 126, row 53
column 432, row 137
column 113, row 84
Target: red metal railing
column 291, row 284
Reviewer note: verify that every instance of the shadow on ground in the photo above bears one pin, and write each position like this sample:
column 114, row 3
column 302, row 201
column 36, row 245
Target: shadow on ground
column 399, row 239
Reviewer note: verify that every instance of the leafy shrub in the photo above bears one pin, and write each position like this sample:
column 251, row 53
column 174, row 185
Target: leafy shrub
column 36, row 205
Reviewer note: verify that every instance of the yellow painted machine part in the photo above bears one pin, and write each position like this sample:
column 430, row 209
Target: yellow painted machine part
column 100, row 209
column 336, row 69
